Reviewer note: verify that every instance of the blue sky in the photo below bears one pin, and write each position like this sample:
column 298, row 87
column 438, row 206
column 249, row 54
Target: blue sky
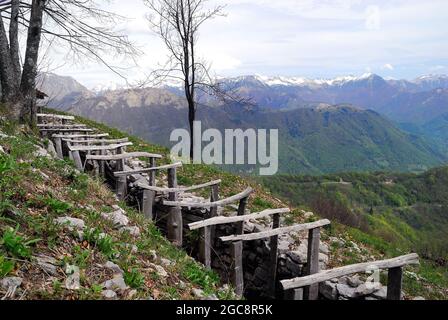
column 309, row 38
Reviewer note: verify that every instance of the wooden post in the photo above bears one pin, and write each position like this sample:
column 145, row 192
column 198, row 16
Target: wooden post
column 237, row 252
column 152, row 174
column 394, row 283
column 312, row 292
column 293, row 294
column 121, row 186
column 174, row 221
column 102, row 163
column 148, row 203
column 208, row 232
column 58, row 143
column 77, row 158
column 273, row 244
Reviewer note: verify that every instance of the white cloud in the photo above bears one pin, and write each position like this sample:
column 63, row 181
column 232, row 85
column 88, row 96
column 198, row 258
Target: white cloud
column 388, row 66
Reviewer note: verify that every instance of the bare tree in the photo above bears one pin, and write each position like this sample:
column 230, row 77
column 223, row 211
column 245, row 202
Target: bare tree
column 81, row 25
column 177, row 23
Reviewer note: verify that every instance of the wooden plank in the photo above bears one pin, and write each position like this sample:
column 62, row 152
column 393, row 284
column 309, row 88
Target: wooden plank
column 237, row 274
column 146, row 170
column 394, row 283
column 60, row 126
column 95, row 141
column 218, row 203
column 205, row 247
column 278, row 231
column 77, row 159
column 123, row 156
column 55, row 116
column 213, row 212
column 100, row 148
column 67, row 130
column 312, row 266
column 273, row 255
column 79, row 136
column 152, row 173
column 174, row 221
column 148, row 203
column 58, row 144
column 223, row 220
column 350, row 269
column 178, row 189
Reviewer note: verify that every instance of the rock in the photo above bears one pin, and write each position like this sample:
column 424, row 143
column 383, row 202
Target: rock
column 10, row 283
column 72, row 224
column 72, row 281
column 160, row 270
column 211, row 297
column 367, row 288
column 2, row 150
column 370, row 298
column 43, row 175
column 323, row 258
column 118, row 218
column 339, row 242
column 198, row 293
column 380, row 294
column 345, row 291
column 132, row 247
column 299, row 255
column 48, row 264
column 323, row 248
column 109, row 294
column 153, row 254
column 354, row 281
column 116, row 283
column 133, row 231
column 354, row 246
column 41, row 152
column 166, row 262
column 308, row 214
column 182, row 285
column 249, row 227
column 418, row 298
column 328, row 290
column 51, row 149
column 131, row 294
column 114, row 267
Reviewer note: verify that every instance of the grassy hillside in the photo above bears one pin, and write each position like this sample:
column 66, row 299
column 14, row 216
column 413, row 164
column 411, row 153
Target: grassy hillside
column 29, row 203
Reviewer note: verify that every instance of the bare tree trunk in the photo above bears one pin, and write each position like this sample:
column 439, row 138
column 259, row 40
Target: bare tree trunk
column 9, row 82
column 191, row 118
column 14, row 38
column 28, row 82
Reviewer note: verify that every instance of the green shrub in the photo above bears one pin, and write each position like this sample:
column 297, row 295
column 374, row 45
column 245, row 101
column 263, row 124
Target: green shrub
column 6, row 266
column 133, row 278
column 15, row 244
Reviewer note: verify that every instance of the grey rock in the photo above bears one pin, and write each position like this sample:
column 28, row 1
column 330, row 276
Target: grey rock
column 198, row 293
column 354, row 281
column 41, row 152
column 166, row 262
column 51, row 149
column 9, row 283
column 323, row 248
column 116, row 283
column 380, row 294
column 114, row 267
column 159, row 270
column 48, row 264
column 71, row 223
column 323, row 258
column 109, row 294
column 367, row 288
column 299, row 255
column 328, row 290
column 133, row 231
column 72, row 282
column 418, row 298
column 370, row 298
column 117, row 217
column 345, row 291
column 211, row 297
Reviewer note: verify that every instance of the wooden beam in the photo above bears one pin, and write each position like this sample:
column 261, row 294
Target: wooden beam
column 273, row 255
column 394, row 283
column 67, row 130
column 95, row 141
column 178, row 189
column 146, row 170
column 311, row 292
column 99, row 148
column 148, row 203
column 55, row 116
column 79, row 136
column 219, row 203
column 123, row 156
column 278, row 231
column 174, row 221
column 58, row 144
column 237, row 251
column 223, row 220
column 59, row 126
column 152, row 173
column 350, row 269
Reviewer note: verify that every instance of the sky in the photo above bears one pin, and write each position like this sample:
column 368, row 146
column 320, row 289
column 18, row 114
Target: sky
column 399, row 39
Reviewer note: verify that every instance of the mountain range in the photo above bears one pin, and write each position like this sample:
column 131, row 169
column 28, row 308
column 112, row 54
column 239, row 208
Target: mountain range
column 343, row 124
